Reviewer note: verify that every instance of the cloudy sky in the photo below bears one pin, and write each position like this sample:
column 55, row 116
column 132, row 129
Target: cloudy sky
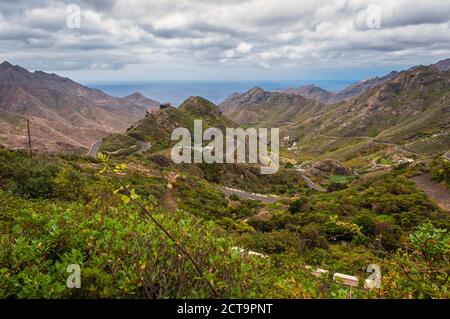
column 231, row 39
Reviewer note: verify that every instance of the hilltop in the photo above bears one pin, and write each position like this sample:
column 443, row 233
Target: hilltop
column 157, row 125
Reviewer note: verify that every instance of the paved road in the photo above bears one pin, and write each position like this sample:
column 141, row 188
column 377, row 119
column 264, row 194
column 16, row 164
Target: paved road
column 447, row 156
column 94, row 149
column 247, row 195
column 144, row 147
column 96, row 145
column 311, row 184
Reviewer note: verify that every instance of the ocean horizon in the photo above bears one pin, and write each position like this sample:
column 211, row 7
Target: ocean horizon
column 176, row 92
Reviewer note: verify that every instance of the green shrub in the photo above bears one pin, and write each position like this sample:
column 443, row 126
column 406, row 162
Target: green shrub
column 70, row 184
column 245, row 208
column 365, row 222
column 312, row 237
column 276, row 241
column 426, row 263
column 338, row 230
column 333, row 187
column 387, row 235
column 440, row 171
column 28, row 177
column 120, row 252
column 298, row 205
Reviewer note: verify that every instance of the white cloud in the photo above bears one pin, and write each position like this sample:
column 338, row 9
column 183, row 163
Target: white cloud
column 244, row 47
column 233, row 33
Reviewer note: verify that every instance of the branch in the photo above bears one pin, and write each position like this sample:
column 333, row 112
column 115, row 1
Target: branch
column 166, row 232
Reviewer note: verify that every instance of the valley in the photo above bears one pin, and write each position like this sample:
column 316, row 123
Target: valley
column 363, row 179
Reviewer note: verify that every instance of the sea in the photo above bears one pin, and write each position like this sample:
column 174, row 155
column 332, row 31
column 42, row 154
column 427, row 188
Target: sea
column 175, row 92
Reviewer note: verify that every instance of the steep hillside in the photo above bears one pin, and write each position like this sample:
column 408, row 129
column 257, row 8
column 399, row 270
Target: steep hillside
column 64, row 115
column 261, row 108
column 157, row 126
column 443, row 65
column 411, row 110
column 419, row 96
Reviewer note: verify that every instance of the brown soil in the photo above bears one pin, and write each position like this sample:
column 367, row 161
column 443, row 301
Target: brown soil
column 437, row 193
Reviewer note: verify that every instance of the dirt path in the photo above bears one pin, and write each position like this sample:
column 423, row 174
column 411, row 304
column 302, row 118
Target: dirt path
column 169, row 203
column 437, row 193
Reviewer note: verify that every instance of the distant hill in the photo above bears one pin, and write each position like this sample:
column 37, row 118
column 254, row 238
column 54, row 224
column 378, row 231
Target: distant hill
column 262, row 108
column 64, row 115
column 139, row 101
column 311, row 92
column 326, row 97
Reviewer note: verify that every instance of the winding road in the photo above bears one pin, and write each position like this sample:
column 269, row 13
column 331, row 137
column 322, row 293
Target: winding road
column 247, row 195
column 311, row 184
column 94, row 148
column 144, row 146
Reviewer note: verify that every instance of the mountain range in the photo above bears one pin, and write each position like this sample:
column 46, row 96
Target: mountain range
column 317, row 93
column 327, row 97
column 411, row 107
column 64, row 115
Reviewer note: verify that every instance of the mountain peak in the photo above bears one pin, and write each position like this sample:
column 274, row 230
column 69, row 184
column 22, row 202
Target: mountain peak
column 196, row 100
column 139, row 99
column 135, row 95
column 6, row 64
column 198, row 104
column 256, row 90
column 443, row 65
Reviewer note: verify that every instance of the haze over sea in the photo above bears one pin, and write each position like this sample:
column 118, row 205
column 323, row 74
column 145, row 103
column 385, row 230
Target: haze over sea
column 176, row 92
